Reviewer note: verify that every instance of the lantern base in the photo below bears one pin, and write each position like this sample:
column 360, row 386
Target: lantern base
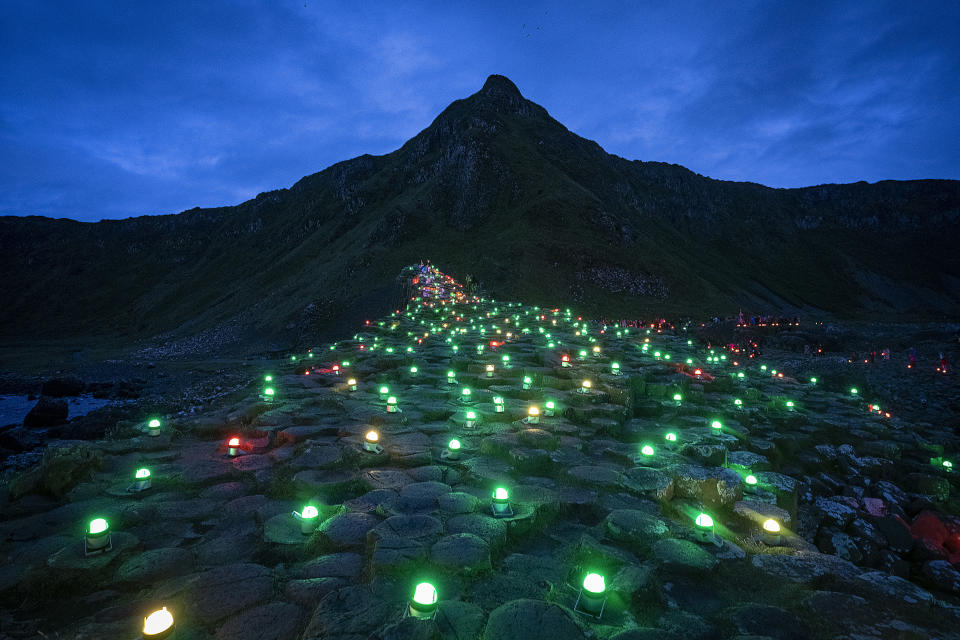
column 163, row 635
column 88, row 551
column 410, row 612
column 709, row 537
column 590, row 605
column 506, row 512
column 448, row 456
column 138, row 486
column 771, row 539
column 372, row 448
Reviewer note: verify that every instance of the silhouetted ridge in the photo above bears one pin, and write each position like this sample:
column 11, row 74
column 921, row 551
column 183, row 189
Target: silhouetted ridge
column 498, row 189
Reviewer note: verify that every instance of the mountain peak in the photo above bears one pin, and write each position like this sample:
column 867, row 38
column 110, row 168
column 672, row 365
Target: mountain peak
column 497, row 85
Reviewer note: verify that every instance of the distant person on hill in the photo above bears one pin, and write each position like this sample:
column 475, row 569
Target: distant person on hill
column 944, row 365
column 912, row 357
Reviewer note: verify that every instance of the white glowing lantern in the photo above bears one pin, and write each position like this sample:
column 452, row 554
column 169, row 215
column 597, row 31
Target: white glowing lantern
column 498, row 404
column 392, row 405
column 489, row 370
column 352, row 384
column 533, row 415
column 585, row 386
column 158, row 625
column 371, row 442
column 471, row 420
column 549, row 408
column 771, row 533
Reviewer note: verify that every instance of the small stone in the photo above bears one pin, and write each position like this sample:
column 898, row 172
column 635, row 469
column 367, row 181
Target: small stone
column 531, row 620
column 274, row 621
column 223, row 591
column 942, row 575
column 462, row 553
column 155, row 565
column 636, row 527
column 683, row 556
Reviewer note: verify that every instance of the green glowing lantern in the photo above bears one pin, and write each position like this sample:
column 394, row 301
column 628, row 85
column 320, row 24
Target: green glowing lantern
column 498, row 404
column 671, row 438
column 384, row 391
column 453, row 450
column 593, row 595
column 549, row 408
column 527, row 381
column 158, row 625
column 451, row 377
column 423, row 604
column 677, row 399
column 153, row 427
column 583, row 354
column 294, row 358
column 392, row 405
column 500, row 504
column 268, row 394
column 309, row 519
column 666, row 356
column 716, row 425
column 414, row 371
column 751, row 481
column 471, row 420
column 141, row 481
column 97, row 536
column 466, row 395
column 947, row 465
column 646, row 450
column 704, row 528
column 268, row 378
column 738, row 403
column 656, row 354
column 615, row 368
column 790, row 405
column 853, row 391
column 813, row 381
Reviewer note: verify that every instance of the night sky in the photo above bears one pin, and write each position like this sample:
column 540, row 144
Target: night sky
column 110, row 110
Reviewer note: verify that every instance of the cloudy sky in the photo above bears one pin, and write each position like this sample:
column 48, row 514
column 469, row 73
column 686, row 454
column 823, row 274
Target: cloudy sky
column 117, row 109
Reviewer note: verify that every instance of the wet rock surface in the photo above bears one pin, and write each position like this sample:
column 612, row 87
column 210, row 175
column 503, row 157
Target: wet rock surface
column 868, row 546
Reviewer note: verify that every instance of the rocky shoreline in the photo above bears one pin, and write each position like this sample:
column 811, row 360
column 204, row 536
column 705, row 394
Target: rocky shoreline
column 867, row 545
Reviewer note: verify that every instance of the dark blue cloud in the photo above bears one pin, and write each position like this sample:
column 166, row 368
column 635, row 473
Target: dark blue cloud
column 118, row 109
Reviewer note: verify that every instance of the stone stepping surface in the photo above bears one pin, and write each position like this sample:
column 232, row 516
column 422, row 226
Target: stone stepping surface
column 606, row 477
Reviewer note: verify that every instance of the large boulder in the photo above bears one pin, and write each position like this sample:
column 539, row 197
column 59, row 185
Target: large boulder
column 531, row 620
column 62, row 387
column 47, row 412
column 67, row 463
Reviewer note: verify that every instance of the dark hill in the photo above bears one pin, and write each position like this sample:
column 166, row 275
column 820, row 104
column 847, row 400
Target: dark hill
column 493, row 187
